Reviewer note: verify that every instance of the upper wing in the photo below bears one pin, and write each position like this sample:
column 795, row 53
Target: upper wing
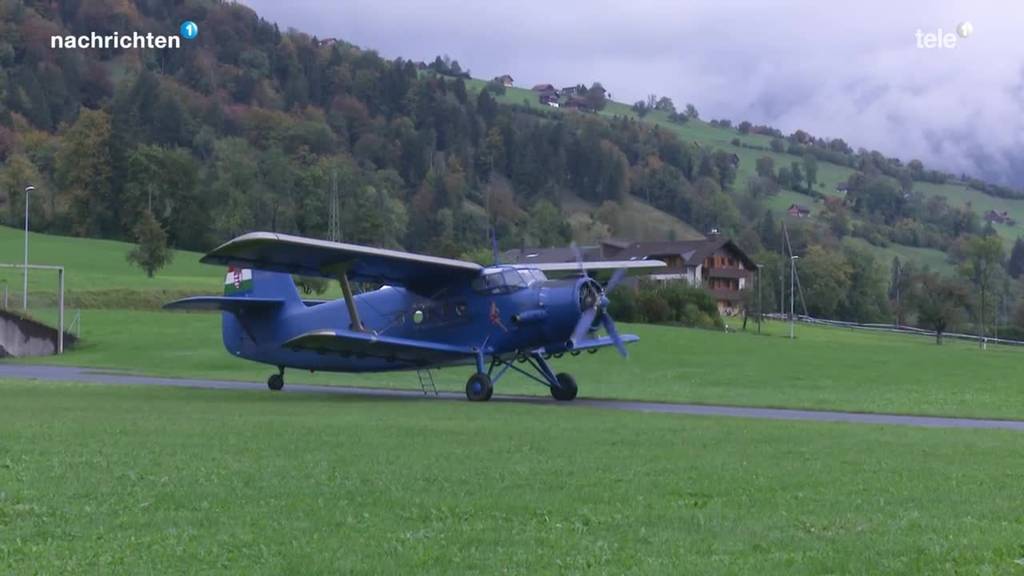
column 600, row 270
column 350, row 343
column 310, row 257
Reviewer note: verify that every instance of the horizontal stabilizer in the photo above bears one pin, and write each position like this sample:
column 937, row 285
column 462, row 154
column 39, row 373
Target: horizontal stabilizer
column 366, row 344
column 225, row 303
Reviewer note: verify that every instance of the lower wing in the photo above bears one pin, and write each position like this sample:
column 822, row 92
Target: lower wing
column 600, row 342
column 364, row 344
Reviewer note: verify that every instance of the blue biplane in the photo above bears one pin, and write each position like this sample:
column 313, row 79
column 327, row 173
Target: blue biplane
column 428, row 312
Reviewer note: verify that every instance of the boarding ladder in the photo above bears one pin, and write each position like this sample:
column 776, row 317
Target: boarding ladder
column 427, row 382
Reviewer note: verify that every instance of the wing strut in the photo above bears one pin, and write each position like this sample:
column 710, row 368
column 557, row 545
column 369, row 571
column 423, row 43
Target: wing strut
column 353, row 313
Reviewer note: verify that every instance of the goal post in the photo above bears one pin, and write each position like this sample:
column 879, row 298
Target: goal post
column 60, row 295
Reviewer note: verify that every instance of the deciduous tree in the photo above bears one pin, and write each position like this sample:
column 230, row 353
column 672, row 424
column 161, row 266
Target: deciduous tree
column 982, row 265
column 939, row 302
column 151, row 252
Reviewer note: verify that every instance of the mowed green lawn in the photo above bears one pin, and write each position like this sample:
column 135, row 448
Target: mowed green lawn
column 825, row 368
column 97, row 271
column 125, row 480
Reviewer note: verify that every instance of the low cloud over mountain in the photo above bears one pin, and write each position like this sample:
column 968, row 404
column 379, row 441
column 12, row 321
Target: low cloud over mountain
column 857, row 74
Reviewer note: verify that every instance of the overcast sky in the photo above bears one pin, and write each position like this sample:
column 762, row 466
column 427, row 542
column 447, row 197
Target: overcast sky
column 849, row 70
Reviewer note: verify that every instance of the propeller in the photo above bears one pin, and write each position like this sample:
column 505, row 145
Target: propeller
column 594, row 304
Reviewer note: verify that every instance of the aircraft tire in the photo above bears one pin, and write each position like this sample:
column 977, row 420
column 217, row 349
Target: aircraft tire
column 275, row 382
column 566, row 389
column 479, row 387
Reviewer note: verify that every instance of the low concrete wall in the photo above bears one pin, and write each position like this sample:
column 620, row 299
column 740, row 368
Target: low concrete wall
column 21, row 336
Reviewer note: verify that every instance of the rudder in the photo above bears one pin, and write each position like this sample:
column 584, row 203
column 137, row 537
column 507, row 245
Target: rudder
column 251, row 283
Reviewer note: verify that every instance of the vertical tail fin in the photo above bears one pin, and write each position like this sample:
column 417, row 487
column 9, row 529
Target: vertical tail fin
column 246, row 282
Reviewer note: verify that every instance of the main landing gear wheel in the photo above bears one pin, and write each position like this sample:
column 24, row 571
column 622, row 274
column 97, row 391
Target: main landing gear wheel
column 479, row 387
column 276, row 381
column 566, row 389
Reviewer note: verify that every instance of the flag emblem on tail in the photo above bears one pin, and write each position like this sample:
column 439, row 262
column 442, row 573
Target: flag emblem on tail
column 238, row 281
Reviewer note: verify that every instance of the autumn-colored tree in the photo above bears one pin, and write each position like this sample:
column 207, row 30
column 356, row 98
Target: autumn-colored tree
column 83, row 168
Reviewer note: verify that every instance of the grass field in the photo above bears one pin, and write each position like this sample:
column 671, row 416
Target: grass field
column 637, row 220
column 124, row 480
column 128, row 480
column 97, row 273
column 826, row 368
column 99, row 264
column 934, row 259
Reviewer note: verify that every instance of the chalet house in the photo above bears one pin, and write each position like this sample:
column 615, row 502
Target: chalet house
column 842, row 188
column 578, row 103
column 572, row 91
column 505, row 80
column 549, row 98
column 716, row 264
column 999, row 218
column 544, row 88
column 798, row 211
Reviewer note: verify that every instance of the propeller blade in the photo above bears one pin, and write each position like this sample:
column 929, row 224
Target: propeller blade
column 583, row 324
column 579, row 259
column 615, row 279
column 613, row 332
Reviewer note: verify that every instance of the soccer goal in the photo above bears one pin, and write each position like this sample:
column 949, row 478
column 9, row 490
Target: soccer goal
column 10, row 299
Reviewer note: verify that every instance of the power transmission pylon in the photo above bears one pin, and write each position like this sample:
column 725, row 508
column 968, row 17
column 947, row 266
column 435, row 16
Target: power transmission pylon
column 334, row 214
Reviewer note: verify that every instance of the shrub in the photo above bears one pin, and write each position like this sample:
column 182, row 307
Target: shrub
column 666, row 303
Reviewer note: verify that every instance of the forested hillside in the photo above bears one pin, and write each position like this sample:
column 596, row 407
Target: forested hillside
column 249, row 127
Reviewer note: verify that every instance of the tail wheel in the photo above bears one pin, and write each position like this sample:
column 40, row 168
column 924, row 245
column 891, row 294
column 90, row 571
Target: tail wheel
column 479, row 387
column 566, row 389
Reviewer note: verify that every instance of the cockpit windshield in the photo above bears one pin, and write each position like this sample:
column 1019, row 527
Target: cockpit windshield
column 531, row 275
column 507, row 280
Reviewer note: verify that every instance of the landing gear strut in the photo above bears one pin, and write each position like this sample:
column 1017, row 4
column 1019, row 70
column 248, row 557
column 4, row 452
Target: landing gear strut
column 276, row 381
column 480, row 386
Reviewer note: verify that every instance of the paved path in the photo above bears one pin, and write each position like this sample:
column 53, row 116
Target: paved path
column 70, row 373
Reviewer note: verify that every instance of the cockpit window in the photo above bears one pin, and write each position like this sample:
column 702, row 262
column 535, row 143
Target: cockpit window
column 506, row 280
column 493, row 281
column 513, row 279
column 530, row 276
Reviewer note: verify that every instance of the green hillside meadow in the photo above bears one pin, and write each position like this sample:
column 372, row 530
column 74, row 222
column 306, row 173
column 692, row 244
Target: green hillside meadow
column 92, row 264
column 755, row 146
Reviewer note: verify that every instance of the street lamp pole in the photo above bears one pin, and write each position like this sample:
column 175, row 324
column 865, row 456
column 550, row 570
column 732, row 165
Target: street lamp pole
column 760, row 310
column 792, row 278
column 24, row 293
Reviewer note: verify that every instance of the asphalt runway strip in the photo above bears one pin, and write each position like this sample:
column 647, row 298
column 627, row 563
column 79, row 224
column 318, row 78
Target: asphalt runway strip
column 97, row 376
